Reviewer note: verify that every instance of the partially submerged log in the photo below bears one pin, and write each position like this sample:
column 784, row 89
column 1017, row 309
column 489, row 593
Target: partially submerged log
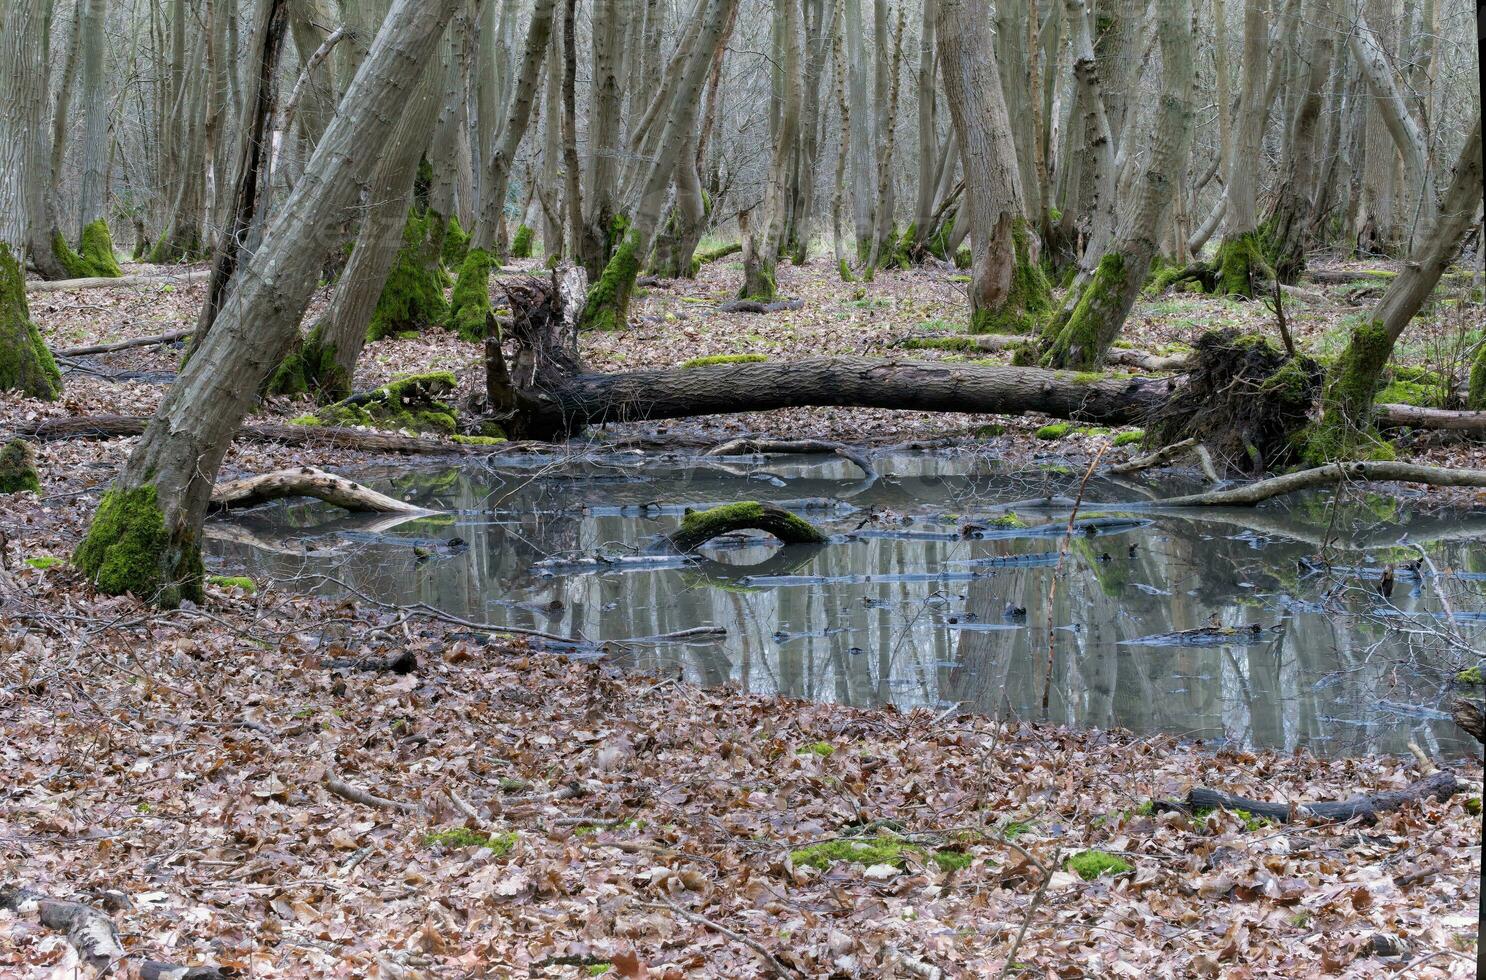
column 307, row 481
column 92, row 934
column 1441, row 786
column 1320, row 476
column 319, row 436
column 804, row 447
column 700, row 526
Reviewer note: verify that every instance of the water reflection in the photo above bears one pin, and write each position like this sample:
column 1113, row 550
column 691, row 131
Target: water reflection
column 903, row 609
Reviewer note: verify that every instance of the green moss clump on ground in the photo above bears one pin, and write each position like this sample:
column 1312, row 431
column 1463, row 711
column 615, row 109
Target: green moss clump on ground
column 963, row 257
column 42, row 562
column 1054, row 430
column 1471, row 675
column 823, row 749
column 607, row 305
column 713, row 359
column 233, row 582
column 1130, row 438
column 1009, row 521
column 311, row 369
column 942, row 343
column 1473, row 806
column 413, row 297
column 410, row 404
column 456, row 244
column 521, row 245
column 26, row 365
column 1089, row 865
column 500, row 844
column 129, row 550
column 887, row 849
column 18, row 468
column 478, row 440
column 1408, row 393
column 469, row 305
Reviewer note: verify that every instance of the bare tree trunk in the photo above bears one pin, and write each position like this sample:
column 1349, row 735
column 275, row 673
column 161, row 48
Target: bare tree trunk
column 862, row 137
column 1240, row 256
column 1007, row 287
column 146, row 535
column 95, row 114
column 1287, row 234
column 1081, row 337
column 761, row 247
column 600, row 202
column 549, row 193
column 928, row 132
column 26, row 221
column 1346, row 426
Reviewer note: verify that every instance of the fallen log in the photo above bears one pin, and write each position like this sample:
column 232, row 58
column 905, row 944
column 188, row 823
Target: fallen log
column 1364, row 471
column 403, row 663
column 804, row 447
column 307, row 481
column 700, row 526
column 117, row 282
column 155, row 341
column 93, row 934
column 1415, row 417
column 758, row 306
column 320, row 436
column 1440, row 786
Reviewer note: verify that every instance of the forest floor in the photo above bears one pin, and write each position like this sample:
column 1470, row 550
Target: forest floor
column 170, row 766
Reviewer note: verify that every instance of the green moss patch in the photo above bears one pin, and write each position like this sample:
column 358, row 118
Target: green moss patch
column 233, row 582
column 1130, row 438
column 411, row 404
column 94, row 258
column 714, row 359
column 18, row 468
column 1054, row 431
column 26, row 365
column 469, row 304
column 1471, row 675
column 129, row 550
column 42, row 562
column 500, row 844
column 521, row 245
column 478, row 440
column 1089, row 865
column 607, row 304
column 823, row 749
column 413, row 296
column 311, row 369
column 888, row 849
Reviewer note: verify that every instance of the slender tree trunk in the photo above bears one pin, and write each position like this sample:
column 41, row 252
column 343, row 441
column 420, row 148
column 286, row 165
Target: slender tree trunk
column 863, row 140
column 761, row 247
column 1240, row 257
column 95, row 103
column 549, row 191
column 1298, row 197
column 27, row 224
column 146, row 535
column 928, row 133
column 601, row 180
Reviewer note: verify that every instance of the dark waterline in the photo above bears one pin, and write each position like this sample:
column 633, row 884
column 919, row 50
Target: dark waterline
column 902, row 609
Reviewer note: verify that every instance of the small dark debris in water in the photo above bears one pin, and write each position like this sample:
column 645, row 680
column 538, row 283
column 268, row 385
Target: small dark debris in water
column 1104, row 557
column 855, row 651
column 1385, row 582
column 1133, row 549
column 1014, row 612
column 1210, row 636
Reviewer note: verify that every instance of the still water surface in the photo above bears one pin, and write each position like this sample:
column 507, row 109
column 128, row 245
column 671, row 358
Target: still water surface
column 902, row 608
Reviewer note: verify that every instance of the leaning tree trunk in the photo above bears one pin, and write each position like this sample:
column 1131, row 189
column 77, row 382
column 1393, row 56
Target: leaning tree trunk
column 146, row 535
column 1346, row 425
column 1081, row 338
column 1007, row 287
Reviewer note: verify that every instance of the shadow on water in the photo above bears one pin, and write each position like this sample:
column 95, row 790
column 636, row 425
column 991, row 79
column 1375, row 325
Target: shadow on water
column 1217, row 625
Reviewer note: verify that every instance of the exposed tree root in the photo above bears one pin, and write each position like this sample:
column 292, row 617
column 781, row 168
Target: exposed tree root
column 1167, row 453
column 1440, row 786
column 307, row 481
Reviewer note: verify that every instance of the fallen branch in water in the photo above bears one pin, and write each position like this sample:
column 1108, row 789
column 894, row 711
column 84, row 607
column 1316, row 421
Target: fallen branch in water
column 1321, row 476
column 306, row 481
column 319, row 436
column 1440, row 786
column 155, row 341
column 93, row 935
column 804, row 447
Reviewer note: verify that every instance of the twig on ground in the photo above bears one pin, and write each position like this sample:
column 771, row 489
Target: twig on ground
column 774, row 964
column 356, row 794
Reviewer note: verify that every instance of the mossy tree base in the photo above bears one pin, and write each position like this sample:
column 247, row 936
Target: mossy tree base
column 94, row 258
column 18, row 469
column 469, row 304
column 1346, row 430
column 1030, row 297
column 521, row 245
column 128, row 550
column 311, row 369
column 412, row 298
column 1238, row 269
column 26, row 365
column 607, row 305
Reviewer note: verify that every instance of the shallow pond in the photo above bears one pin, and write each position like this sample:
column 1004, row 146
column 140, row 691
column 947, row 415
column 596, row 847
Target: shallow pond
column 1218, row 625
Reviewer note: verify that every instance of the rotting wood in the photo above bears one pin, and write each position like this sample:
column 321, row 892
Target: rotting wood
column 120, row 282
column 699, row 527
column 319, row 436
column 307, row 481
column 1441, row 786
column 92, row 934
column 403, row 663
column 1469, row 715
column 757, row 306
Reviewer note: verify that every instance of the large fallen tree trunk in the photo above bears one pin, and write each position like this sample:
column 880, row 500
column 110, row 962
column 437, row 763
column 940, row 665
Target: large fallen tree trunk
column 318, row 436
column 545, row 392
column 1441, row 786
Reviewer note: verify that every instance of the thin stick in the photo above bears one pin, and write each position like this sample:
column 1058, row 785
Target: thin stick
column 1052, row 589
column 1047, row 877
column 358, row 795
column 779, row 968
